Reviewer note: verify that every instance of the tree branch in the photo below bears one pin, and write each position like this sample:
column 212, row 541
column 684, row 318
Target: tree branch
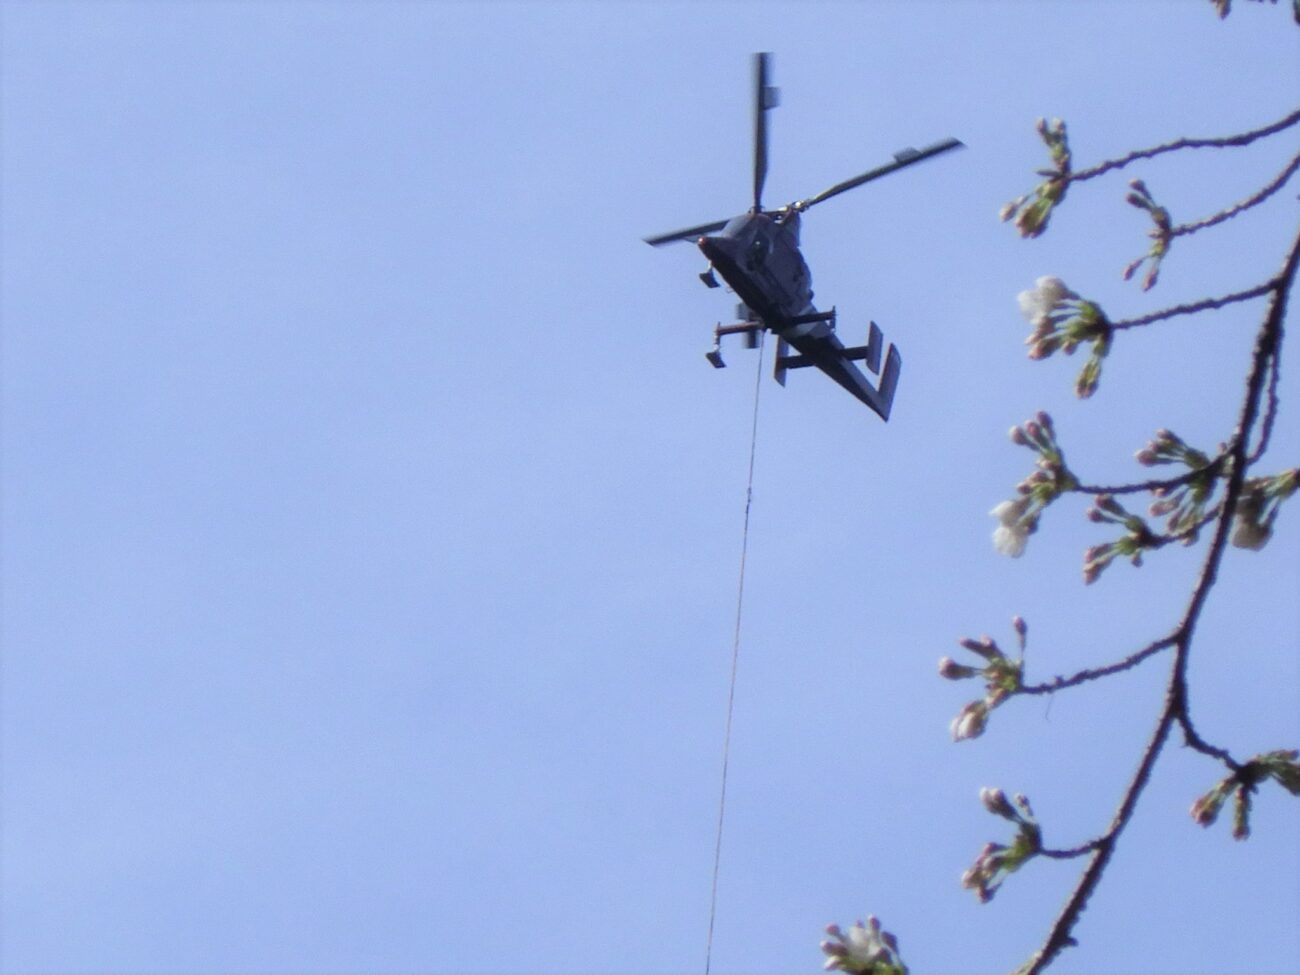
column 1193, row 740
column 1244, row 139
column 1270, row 413
column 1060, row 937
column 1236, row 208
column 1176, row 707
column 1205, row 304
column 1094, row 673
column 1070, row 854
column 1152, row 485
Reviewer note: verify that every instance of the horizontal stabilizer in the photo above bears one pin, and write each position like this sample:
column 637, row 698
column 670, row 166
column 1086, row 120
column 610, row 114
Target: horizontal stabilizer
column 784, row 362
column 836, row 361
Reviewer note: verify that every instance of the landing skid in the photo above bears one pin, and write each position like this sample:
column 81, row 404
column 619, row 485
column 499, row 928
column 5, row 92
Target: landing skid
column 752, row 329
column 749, row 326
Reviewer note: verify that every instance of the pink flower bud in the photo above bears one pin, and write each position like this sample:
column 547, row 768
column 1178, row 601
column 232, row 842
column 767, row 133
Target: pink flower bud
column 951, row 670
column 1162, row 507
column 1107, row 503
column 970, row 721
column 996, row 802
column 984, row 646
column 1204, row 813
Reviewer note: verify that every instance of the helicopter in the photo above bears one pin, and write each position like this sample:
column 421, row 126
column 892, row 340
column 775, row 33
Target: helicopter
column 757, row 254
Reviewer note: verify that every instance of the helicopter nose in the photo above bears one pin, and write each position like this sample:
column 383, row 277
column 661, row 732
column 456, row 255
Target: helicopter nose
column 710, row 247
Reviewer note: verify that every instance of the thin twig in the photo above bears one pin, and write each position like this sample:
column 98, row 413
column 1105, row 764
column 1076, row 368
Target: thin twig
column 1070, row 854
column 1270, row 412
column 1193, row 740
column 1152, row 485
column 1244, row 139
column 1093, row 673
column 1205, row 304
column 1236, row 208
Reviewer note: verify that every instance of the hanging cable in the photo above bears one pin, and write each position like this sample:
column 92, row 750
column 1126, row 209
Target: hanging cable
column 735, row 658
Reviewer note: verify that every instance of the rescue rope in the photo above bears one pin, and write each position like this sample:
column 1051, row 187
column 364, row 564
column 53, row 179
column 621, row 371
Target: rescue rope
column 735, row 658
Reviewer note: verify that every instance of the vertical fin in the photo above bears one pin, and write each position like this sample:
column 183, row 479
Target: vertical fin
column 874, row 342
column 889, row 381
column 782, row 350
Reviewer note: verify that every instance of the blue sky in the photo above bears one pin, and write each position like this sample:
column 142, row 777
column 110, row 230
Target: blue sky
column 371, row 518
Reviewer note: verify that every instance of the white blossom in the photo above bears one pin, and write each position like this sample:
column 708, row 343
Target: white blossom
column 1251, row 534
column 1012, row 533
column 1011, row 540
column 970, row 721
column 858, row 949
column 1249, row 530
column 1048, row 292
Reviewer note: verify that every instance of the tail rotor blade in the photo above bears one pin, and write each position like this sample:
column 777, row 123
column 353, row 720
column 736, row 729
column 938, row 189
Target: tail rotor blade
column 764, row 98
column 901, row 159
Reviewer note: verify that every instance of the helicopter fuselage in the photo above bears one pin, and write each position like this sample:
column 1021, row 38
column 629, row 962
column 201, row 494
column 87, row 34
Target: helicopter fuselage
column 758, row 255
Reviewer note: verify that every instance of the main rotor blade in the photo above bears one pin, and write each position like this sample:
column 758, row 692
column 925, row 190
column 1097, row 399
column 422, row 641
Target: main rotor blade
column 689, row 233
column 763, row 98
column 904, row 158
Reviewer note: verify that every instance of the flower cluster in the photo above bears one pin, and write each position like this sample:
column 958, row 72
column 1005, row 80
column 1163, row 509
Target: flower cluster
column 1279, row 765
column 1257, row 507
column 1018, row 518
column 1002, row 677
column 1185, row 503
column 1166, row 447
column 1062, row 320
column 1137, row 539
column 1031, row 216
column 996, row 861
column 864, row 948
column 1161, row 234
